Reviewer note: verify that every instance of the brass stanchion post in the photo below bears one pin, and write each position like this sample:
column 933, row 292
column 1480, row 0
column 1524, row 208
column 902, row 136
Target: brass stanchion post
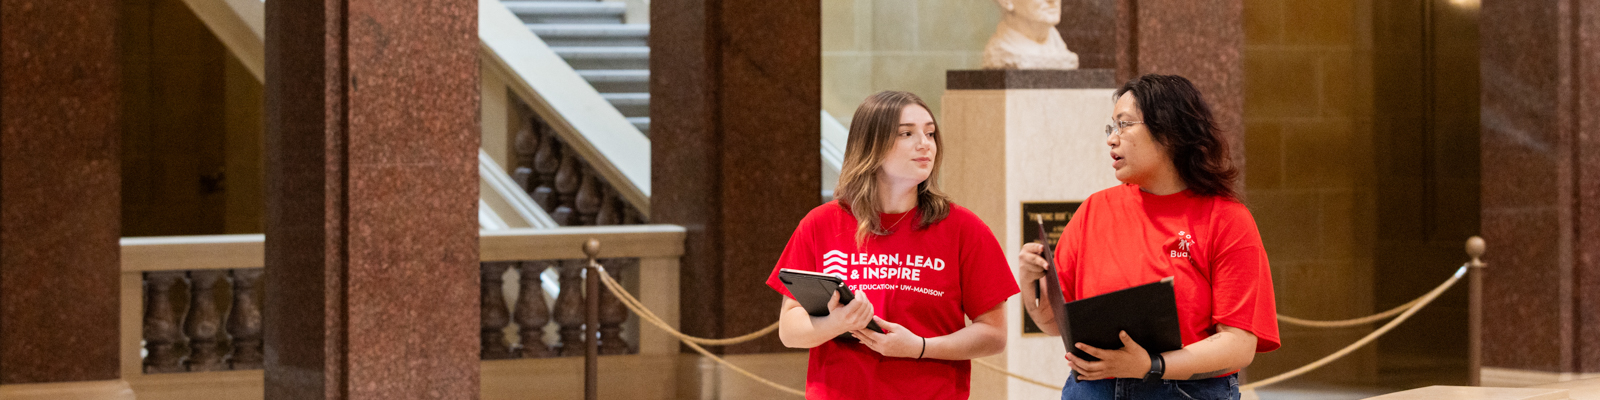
column 591, row 323
column 1475, row 249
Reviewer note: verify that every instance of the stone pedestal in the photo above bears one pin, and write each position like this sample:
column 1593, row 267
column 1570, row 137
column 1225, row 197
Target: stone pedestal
column 1021, row 136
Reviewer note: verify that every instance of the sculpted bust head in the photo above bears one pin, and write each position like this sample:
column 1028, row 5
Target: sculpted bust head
column 1027, row 37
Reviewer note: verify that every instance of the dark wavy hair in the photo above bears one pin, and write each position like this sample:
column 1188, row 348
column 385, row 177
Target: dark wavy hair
column 1179, row 119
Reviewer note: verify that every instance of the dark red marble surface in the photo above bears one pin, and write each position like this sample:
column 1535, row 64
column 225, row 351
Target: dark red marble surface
column 1541, row 178
column 1088, row 27
column 60, row 214
column 981, row 79
column 1587, row 286
column 1202, row 41
column 734, row 150
column 371, row 222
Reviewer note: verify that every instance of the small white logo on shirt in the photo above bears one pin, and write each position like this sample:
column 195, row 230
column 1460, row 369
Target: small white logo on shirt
column 1184, row 241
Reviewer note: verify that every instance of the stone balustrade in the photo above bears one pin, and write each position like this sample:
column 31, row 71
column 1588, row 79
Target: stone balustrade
column 564, row 184
column 192, row 320
column 515, row 316
column 210, row 319
column 196, row 341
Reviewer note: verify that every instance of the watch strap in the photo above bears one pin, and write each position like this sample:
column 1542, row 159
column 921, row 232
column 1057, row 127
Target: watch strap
column 1158, row 368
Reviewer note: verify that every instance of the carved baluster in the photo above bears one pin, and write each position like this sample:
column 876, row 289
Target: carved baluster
column 161, row 323
column 244, row 322
column 532, row 313
column 612, row 312
column 568, row 180
column 546, row 164
column 610, row 209
column 204, row 323
column 492, row 313
column 526, row 144
column 569, row 308
column 589, row 198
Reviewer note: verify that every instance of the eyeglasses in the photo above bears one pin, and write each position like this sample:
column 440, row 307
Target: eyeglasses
column 1116, row 127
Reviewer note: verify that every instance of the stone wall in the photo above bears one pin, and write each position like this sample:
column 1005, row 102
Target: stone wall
column 874, row 45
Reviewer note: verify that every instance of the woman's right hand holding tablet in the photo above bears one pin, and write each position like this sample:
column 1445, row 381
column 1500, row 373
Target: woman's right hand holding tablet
column 847, row 317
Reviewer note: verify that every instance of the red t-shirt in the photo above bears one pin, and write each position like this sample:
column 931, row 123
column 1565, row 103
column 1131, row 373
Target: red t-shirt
column 928, row 280
column 1122, row 237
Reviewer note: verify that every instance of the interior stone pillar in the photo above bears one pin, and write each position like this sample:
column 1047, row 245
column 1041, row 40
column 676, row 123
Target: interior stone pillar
column 1088, row 27
column 60, row 212
column 1541, row 181
column 1200, row 40
column 735, row 145
column 371, row 224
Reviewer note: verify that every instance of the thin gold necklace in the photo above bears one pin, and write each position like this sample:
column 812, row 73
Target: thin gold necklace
column 898, row 221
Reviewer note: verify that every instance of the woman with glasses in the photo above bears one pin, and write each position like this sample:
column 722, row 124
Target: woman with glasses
column 920, row 265
column 1175, row 215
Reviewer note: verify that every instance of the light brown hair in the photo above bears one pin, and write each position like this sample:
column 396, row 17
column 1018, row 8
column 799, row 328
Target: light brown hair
column 873, row 131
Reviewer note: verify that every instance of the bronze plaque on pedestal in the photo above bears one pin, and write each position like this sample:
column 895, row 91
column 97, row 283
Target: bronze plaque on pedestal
column 1055, row 214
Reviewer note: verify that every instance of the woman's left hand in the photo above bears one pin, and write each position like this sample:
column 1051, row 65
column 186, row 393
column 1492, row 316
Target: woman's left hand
column 895, row 341
column 1130, row 361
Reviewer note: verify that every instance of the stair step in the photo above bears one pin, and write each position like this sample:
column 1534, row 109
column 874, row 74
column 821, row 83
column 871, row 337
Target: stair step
column 617, row 80
column 620, row 31
column 642, row 123
column 601, row 52
column 568, row 11
column 627, row 99
column 605, row 57
column 615, row 75
column 566, row 7
column 592, row 35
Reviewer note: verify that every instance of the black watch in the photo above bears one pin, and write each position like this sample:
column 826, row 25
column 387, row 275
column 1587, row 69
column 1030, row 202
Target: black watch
column 1158, row 367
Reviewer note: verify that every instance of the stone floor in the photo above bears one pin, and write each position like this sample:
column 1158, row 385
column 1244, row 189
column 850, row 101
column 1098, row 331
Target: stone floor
column 1396, row 372
column 1315, row 391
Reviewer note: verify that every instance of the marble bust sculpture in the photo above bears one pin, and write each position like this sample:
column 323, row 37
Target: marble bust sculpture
column 1027, row 37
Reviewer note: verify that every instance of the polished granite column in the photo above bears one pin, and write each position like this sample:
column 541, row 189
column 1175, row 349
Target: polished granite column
column 735, row 150
column 1089, row 28
column 1200, row 40
column 1541, row 186
column 60, row 211
column 371, row 221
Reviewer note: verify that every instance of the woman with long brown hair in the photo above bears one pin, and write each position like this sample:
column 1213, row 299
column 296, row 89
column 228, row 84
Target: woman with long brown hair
column 1176, row 215
column 920, row 266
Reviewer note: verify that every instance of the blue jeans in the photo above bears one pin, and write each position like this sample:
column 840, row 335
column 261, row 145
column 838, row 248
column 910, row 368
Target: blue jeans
column 1219, row 388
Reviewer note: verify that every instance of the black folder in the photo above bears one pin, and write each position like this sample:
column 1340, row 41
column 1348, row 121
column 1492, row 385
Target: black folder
column 1148, row 312
column 813, row 290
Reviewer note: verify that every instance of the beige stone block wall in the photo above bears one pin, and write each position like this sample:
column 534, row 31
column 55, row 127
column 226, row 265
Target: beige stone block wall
column 1308, row 145
column 874, row 45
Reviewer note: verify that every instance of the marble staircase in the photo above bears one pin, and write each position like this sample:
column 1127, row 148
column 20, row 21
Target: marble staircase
column 592, row 37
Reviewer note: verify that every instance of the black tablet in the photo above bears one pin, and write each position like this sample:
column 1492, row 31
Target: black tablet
column 1148, row 312
column 813, row 290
